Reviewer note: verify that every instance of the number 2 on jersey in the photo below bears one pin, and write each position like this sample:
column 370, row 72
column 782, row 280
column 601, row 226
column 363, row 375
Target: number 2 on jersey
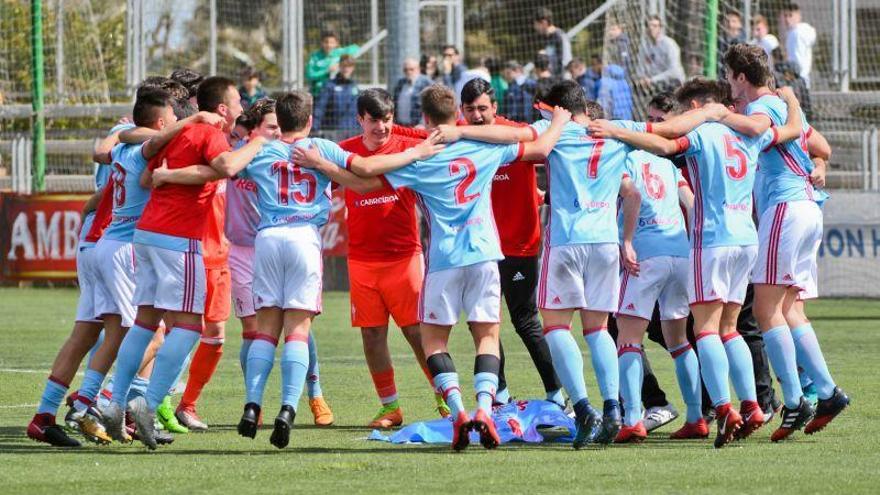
column 738, row 170
column 461, row 195
column 288, row 174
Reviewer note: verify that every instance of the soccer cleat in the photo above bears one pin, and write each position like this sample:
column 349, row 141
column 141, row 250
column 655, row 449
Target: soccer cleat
column 70, row 420
column 484, row 425
column 811, row 394
column 91, row 426
column 442, row 409
column 586, row 429
column 389, row 415
column 793, row 420
column 283, row 423
column 42, row 428
column 611, row 424
column 189, row 419
column 729, row 421
column 165, row 415
column 164, row 438
column 771, row 411
column 632, row 434
column 827, row 410
column 658, row 416
column 247, row 427
column 144, row 421
column 753, row 419
column 321, row 411
column 114, row 422
column 461, row 427
column 699, row 429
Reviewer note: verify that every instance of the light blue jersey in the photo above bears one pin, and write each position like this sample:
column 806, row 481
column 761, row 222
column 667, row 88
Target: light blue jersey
column 129, row 198
column 785, row 168
column 661, row 227
column 453, row 188
column 721, row 164
column 102, row 173
column 287, row 193
column 584, row 177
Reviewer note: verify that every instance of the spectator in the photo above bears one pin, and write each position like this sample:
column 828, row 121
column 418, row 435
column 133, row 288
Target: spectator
column 499, row 84
column 557, row 46
column 451, row 68
column 520, row 92
column 661, row 59
column 788, row 74
column 325, row 62
column 251, row 90
column 428, row 67
column 761, row 36
column 614, row 93
column 799, row 40
column 336, row 106
column 406, row 94
column 694, row 67
column 542, row 67
column 731, row 34
column 619, row 47
column 587, row 78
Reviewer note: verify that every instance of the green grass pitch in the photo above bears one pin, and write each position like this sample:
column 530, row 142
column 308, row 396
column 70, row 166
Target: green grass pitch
column 34, row 322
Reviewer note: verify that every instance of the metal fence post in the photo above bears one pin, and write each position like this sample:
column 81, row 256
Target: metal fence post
column 866, row 160
column 403, row 36
column 875, row 159
column 59, row 50
column 374, row 54
column 212, row 41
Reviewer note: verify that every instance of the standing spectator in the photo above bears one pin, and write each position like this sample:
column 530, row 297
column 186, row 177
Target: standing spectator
column 408, row 107
column 799, row 40
column 428, row 67
column 761, row 36
column 614, row 93
column 731, row 34
column 499, row 84
column 557, row 46
column 325, row 62
column 542, row 67
column 336, row 106
column 661, row 59
column 520, row 92
column 451, row 68
column 251, row 90
column 619, row 47
column 588, row 78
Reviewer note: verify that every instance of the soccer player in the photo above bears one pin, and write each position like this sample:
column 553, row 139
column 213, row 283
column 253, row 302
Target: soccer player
column 170, row 276
column 453, row 190
column 721, row 166
column 789, row 232
column 384, row 238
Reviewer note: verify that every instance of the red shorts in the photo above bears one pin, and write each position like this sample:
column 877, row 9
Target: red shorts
column 383, row 288
column 218, row 299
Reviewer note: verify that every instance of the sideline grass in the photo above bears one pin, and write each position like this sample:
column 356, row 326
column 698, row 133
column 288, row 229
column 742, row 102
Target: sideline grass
column 35, row 322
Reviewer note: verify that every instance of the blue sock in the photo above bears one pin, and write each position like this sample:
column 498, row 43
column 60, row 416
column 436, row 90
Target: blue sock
column 294, row 363
column 742, row 371
column 556, row 397
column 53, row 396
column 95, row 348
column 805, row 379
column 128, row 360
column 261, row 357
column 631, row 374
column 780, row 350
column 485, row 386
column 809, row 355
column 170, row 360
column 603, row 354
column 246, row 342
column 89, row 389
column 447, row 384
column 138, row 388
column 714, row 367
column 687, row 371
column 567, row 361
column 313, row 374
column 502, row 396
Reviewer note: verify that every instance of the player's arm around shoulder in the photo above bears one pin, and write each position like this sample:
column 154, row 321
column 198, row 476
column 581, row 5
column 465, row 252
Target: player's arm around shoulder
column 540, row 148
column 649, row 142
column 229, row 163
column 686, row 122
column 794, row 122
column 496, row 134
column 160, row 139
column 312, row 158
column 377, row 165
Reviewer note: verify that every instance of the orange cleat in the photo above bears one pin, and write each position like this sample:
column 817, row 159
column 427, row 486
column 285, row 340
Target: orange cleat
column 729, row 421
column 699, row 429
column 321, row 411
column 389, row 416
column 632, row 434
column 753, row 419
column 461, row 427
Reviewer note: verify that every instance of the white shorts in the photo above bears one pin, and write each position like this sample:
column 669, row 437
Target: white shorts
column 288, row 268
column 580, row 276
column 474, row 289
column 720, row 273
column 789, row 235
column 661, row 278
column 85, row 275
column 169, row 280
column 115, row 280
column 241, row 266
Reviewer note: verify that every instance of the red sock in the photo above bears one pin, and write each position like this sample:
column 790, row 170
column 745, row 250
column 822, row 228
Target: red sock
column 385, row 387
column 201, row 369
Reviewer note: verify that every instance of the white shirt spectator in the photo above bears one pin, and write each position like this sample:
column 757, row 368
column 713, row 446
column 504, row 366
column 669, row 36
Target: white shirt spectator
column 799, row 48
column 768, row 43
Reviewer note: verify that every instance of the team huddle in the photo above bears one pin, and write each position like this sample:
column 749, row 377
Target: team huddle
column 203, row 208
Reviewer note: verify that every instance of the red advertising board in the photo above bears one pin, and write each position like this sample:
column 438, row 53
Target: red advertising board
column 335, row 233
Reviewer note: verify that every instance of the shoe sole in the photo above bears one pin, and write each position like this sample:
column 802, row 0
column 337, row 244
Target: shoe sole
column 722, row 440
column 73, row 445
column 819, row 423
column 747, row 429
column 247, row 428
column 463, row 439
column 632, row 439
column 486, row 439
column 689, row 437
column 144, row 424
column 191, row 425
column 281, row 434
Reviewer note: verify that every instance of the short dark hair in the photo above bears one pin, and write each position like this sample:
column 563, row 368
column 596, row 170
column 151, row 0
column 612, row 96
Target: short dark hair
column 189, row 78
column 249, row 73
column 749, row 60
column 375, row 102
column 543, row 14
column 654, row 17
column 662, row 101
column 594, row 110
column 293, row 110
column 346, row 60
column 569, row 95
column 791, row 7
column 704, row 91
column 454, row 48
column 733, row 13
column 253, row 116
column 512, row 65
column 183, row 108
column 150, row 101
column 176, row 89
column 328, row 34
column 542, row 62
column 153, row 81
column 438, row 104
column 212, row 92
column 542, row 89
column 475, row 88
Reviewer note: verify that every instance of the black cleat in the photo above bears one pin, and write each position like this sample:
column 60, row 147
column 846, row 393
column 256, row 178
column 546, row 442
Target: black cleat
column 43, row 429
column 283, row 423
column 587, row 428
column 792, row 420
column 611, row 425
column 827, row 410
column 247, row 427
column 163, row 438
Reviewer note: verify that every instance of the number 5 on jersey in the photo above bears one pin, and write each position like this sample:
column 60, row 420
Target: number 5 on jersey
column 304, row 185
